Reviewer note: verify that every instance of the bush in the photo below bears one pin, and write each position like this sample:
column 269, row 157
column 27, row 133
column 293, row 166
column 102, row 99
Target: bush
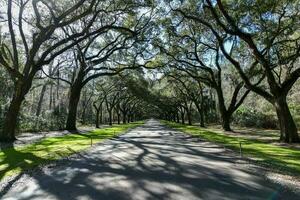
column 253, row 118
column 51, row 120
column 295, row 110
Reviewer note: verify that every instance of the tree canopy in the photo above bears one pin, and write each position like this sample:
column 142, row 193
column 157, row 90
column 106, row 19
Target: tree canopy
column 68, row 63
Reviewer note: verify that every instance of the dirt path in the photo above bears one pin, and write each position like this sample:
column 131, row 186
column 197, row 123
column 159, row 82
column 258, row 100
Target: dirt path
column 149, row 162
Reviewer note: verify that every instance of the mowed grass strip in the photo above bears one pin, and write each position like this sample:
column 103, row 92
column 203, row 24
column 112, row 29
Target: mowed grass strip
column 16, row 160
column 284, row 159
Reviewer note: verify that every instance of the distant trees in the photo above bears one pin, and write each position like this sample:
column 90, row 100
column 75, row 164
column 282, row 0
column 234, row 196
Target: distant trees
column 207, row 56
column 116, row 98
column 192, row 51
column 98, row 106
column 194, row 91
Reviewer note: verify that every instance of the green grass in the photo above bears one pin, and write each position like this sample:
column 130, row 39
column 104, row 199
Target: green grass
column 284, row 159
column 13, row 161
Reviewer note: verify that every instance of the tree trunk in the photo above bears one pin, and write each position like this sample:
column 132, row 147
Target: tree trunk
column 50, row 97
column 83, row 115
column 10, row 122
column 132, row 118
column 124, row 118
column 53, row 99
column 73, row 104
column 182, row 118
column 128, row 118
column 110, row 117
column 225, row 114
column 287, row 124
column 11, row 117
column 201, row 111
column 119, row 116
column 97, row 118
column 39, row 107
column 201, row 114
column 101, row 115
column 226, row 123
column 189, row 116
column 202, row 118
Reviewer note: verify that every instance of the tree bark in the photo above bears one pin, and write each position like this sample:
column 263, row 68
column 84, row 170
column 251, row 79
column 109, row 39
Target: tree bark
column 225, row 114
column 110, row 117
column 202, row 109
column 50, row 97
column 128, row 118
column 226, row 121
column 97, row 118
column 101, row 115
column 288, row 128
column 189, row 116
column 73, row 105
column 10, row 122
column 201, row 114
column 11, row 117
column 182, row 118
column 39, row 107
column 124, row 117
column 132, row 118
column 118, row 115
column 202, row 118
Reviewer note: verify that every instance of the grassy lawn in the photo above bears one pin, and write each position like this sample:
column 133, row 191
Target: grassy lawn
column 15, row 160
column 280, row 158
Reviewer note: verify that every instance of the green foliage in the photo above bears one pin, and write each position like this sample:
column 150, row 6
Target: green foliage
column 295, row 109
column 51, row 120
column 280, row 158
column 249, row 117
column 5, row 93
column 16, row 160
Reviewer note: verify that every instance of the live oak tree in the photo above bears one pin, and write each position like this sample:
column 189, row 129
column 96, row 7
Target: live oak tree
column 52, row 69
column 86, row 102
column 84, row 75
column 98, row 106
column 93, row 57
column 110, row 99
column 184, row 103
column 172, row 101
column 193, row 90
column 124, row 105
column 126, row 100
column 55, row 55
column 89, row 67
column 193, row 51
column 39, row 31
column 115, row 96
column 270, row 30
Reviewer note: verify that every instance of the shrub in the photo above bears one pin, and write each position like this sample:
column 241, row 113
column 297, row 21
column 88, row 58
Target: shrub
column 253, row 118
column 50, row 120
column 295, row 110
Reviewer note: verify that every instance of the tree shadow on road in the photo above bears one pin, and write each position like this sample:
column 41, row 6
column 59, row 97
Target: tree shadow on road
column 164, row 165
column 13, row 162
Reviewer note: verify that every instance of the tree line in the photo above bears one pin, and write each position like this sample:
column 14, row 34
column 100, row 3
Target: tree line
column 70, row 41
column 92, row 60
column 252, row 44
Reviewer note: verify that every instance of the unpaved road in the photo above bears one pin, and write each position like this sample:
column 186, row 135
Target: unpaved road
column 149, row 162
